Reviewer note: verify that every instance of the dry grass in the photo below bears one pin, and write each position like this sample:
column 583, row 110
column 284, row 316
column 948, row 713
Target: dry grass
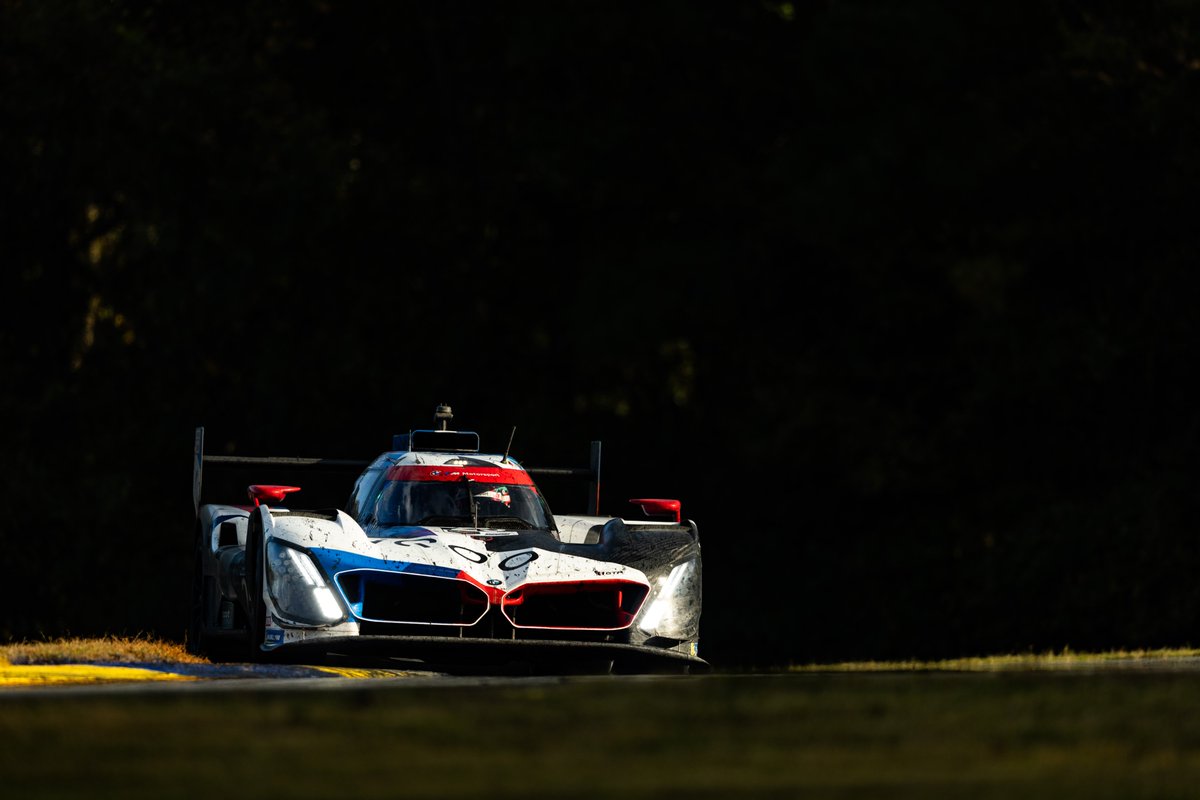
column 145, row 650
column 1027, row 661
column 108, row 650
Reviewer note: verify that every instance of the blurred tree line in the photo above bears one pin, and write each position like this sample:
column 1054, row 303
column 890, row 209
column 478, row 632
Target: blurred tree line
column 897, row 298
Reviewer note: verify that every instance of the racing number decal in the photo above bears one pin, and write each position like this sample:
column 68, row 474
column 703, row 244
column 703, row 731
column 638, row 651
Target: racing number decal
column 420, row 542
column 468, row 554
column 518, row 560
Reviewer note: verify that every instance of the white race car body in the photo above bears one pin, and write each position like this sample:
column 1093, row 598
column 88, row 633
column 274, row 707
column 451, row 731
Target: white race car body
column 446, row 557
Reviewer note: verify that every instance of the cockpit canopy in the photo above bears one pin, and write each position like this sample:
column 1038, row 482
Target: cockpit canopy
column 494, row 505
column 458, row 496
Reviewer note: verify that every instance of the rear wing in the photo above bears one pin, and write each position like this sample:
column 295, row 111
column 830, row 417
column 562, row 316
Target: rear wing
column 591, row 473
column 200, row 459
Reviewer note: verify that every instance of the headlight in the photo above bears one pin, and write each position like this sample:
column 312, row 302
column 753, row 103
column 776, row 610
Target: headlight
column 297, row 587
column 674, row 607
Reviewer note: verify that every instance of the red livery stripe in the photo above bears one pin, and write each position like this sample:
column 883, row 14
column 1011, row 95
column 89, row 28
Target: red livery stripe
column 495, row 593
column 514, row 477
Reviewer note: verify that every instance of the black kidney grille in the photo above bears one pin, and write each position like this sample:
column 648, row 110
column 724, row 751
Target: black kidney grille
column 414, row 599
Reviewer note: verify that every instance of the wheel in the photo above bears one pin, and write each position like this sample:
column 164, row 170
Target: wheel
column 198, row 613
column 256, row 623
column 203, row 638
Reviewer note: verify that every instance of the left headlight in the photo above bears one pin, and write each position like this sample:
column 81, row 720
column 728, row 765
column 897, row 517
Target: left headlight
column 298, row 588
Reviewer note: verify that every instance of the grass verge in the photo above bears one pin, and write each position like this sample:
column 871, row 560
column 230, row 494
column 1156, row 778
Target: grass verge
column 146, row 650
column 107, row 650
column 1065, row 660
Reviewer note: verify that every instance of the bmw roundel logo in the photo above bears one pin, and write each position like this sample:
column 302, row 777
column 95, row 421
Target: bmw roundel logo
column 493, row 582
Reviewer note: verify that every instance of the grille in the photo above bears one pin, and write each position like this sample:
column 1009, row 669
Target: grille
column 378, row 596
column 584, row 605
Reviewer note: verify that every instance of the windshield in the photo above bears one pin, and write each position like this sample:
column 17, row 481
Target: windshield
column 449, row 504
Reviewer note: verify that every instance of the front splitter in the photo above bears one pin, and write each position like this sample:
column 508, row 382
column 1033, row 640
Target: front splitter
column 453, row 654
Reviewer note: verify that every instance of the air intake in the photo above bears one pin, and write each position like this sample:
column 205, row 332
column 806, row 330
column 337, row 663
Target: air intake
column 575, row 605
column 379, row 596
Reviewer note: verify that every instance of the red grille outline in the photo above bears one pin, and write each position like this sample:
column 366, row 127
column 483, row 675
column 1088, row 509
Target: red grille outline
column 517, row 597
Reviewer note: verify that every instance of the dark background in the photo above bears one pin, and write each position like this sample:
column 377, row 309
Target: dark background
column 899, row 299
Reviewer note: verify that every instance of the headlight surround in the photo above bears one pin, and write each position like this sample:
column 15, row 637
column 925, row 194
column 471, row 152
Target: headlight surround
column 297, row 587
column 673, row 609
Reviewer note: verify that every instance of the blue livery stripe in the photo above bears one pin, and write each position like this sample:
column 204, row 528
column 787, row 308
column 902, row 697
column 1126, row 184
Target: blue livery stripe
column 335, row 561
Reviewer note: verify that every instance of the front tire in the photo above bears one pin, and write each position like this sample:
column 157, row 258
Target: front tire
column 198, row 614
column 256, row 623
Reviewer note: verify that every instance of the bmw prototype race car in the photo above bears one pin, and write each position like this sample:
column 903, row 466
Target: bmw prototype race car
column 447, row 556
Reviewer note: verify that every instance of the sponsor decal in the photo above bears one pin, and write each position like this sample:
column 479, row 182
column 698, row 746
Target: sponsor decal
column 610, row 571
column 274, row 636
column 494, row 582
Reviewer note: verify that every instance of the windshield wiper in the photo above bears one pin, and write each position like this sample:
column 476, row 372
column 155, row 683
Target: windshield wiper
column 509, row 523
column 439, row 521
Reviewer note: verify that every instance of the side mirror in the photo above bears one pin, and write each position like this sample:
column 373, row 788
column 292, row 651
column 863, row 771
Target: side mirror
column 653, row 507
column 268, row 492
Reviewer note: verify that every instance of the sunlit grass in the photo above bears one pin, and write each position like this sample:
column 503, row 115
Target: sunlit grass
column 1065, row 659
column 107, row 650
column 147, row 650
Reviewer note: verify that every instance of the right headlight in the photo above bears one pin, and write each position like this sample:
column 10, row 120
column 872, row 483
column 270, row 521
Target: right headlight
column 674, row 603
column 298, row 589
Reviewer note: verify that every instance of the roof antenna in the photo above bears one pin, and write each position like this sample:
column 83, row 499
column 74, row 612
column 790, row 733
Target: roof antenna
column 510, row 438
column 443, row 414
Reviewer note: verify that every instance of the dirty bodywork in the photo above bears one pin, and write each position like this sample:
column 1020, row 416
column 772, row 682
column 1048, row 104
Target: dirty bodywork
column 445, row 556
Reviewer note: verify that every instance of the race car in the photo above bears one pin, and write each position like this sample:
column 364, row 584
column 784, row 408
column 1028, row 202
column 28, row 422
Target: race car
column 446, row 556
